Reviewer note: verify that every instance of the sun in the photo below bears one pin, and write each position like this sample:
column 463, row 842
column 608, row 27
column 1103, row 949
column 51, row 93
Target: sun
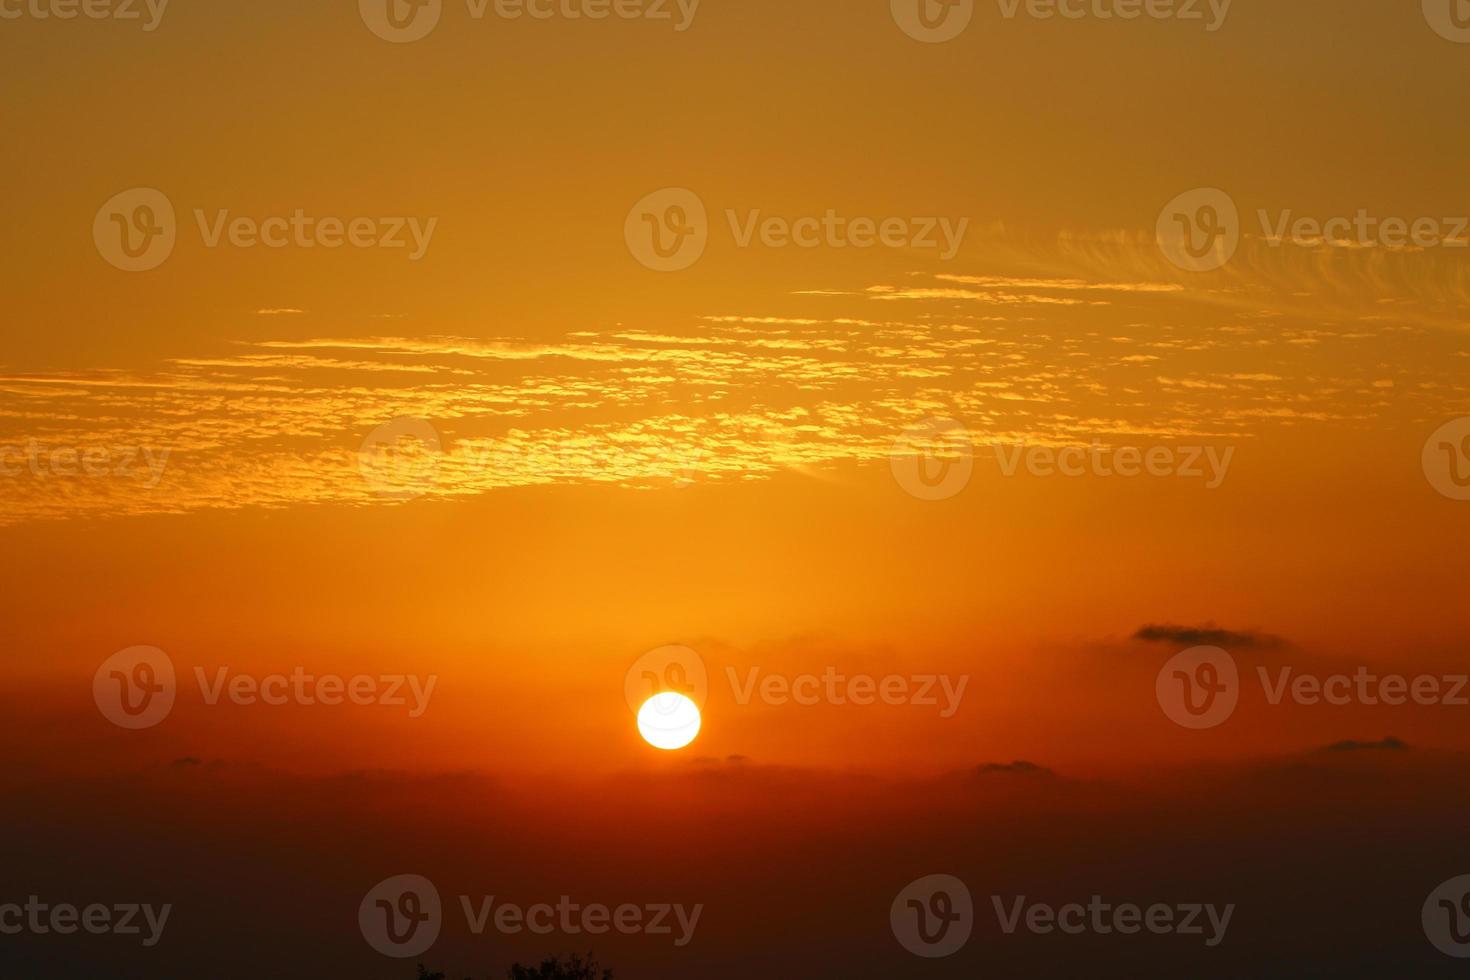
column 668, row 721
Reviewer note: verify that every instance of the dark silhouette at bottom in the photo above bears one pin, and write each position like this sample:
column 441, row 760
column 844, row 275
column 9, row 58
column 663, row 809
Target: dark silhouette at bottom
column 553, row 968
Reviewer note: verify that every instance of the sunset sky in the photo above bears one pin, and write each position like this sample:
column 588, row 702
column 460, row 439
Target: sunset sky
column 514, row 458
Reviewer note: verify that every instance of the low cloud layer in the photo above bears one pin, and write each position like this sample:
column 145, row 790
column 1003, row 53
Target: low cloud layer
column 1207, row 635
column 1389, row 744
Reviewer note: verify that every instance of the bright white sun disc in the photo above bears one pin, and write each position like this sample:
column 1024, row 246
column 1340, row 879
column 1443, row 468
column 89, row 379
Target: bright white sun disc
column 668, row 721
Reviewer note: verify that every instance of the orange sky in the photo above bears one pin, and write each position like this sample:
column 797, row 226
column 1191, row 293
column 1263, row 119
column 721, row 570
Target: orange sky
column 628, row 458
column 394, row 394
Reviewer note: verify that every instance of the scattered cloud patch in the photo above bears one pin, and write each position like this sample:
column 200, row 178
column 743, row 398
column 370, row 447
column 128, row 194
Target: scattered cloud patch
column 1207, row 635
column 1018, row 768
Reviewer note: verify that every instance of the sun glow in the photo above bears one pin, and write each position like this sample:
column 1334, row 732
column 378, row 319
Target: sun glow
column 668, row 721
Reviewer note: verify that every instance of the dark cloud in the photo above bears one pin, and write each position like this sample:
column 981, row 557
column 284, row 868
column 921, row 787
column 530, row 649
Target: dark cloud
column 1207, row 635
column 1018, row 768
column 1389, row 744
column 729, row 760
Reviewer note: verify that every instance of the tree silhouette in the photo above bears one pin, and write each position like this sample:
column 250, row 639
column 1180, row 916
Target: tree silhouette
column 552, row 968
column 555, row 969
